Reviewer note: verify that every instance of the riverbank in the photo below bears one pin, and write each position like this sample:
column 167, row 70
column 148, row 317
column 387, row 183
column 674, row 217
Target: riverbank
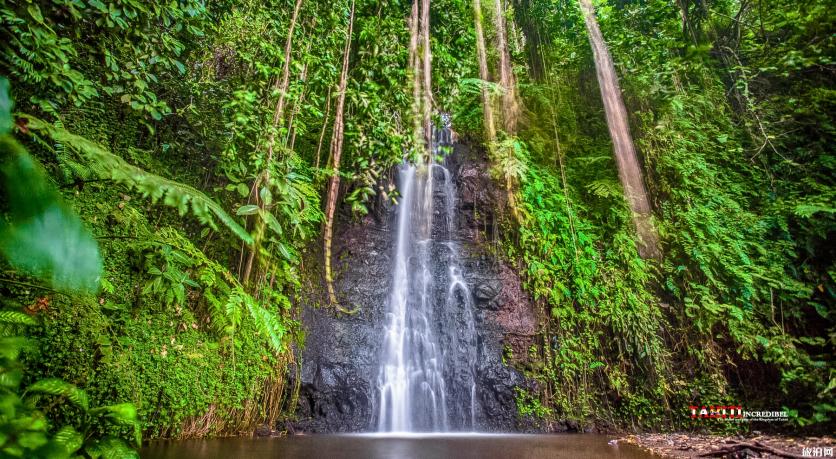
column 680, row 445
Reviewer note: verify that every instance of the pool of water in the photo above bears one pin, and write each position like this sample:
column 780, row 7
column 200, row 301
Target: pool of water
column 483, row 446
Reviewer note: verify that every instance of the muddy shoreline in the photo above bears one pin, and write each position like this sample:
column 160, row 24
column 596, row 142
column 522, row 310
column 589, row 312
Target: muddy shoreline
column 684, row 445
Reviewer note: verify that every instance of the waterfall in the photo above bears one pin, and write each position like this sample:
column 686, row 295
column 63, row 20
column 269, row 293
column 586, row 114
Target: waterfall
column 427, row 378
column 629, row 171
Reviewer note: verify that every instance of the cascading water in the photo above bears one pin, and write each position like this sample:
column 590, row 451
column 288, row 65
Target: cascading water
column 427, row 379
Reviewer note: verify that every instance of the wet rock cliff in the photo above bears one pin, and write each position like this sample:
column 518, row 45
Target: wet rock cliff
column 340, row 361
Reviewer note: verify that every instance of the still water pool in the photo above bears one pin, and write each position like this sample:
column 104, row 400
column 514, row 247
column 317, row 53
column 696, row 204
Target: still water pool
column 406, row 446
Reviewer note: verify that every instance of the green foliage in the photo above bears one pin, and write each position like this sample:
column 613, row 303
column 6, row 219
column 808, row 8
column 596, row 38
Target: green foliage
column 229, row 304
column 509, row 160
column 174, row 194
column 730, row 121
column 41, row 236
column 740, row 262
column 53, row 386
column 24, row 429
column 731, row 107
column 62, row 48
column 527, row 405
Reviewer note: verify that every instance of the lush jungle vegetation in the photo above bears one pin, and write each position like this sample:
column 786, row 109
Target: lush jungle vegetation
column 172, row 172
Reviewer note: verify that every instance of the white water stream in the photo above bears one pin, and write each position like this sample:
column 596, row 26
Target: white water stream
column 414, row 382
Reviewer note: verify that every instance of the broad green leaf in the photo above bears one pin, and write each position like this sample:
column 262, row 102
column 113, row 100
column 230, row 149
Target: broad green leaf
column 108, row 165
column 69, row 439
column 249, row 209
column 110, row 448
column 43, row 238
column 5, row 107
column 55, row 386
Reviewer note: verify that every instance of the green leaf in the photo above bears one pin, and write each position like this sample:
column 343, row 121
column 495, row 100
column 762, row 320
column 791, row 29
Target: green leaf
column 98, row 5
column 249, row 209
column 55, row 386
column 122, row 413
column 43, row 238
column 808, row 210
column 69, row 439
column 6, row 105
column 16, row 318
column 35, row 12
column 285, row 252
column 243, row 189
column 10, row 346
column 271, row 222
column 106, row 164
column 110, row 448
column 266, row 196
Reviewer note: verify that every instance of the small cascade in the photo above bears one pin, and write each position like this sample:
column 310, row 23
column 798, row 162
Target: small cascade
column 427, row 378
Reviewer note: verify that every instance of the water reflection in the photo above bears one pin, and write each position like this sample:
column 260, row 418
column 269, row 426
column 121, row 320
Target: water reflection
column 430, row 446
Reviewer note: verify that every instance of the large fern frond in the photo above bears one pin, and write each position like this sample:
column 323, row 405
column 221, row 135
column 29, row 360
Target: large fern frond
column 605, row 188
column 267, row 323
column 476, row 86
column 109, row 165
column 55, row 386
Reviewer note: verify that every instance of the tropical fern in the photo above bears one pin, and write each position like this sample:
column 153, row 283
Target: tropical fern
column 106, row 164
column 605, row 188
column 476, row 85
column 267, row 323
column 229, row 304
column 55, row 386
column 25, row 431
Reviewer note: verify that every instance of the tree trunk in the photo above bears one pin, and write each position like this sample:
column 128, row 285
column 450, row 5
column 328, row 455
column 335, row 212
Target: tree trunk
column 629, row 169
column 481, row 54
column 510, row 104
column 417, row 80
column 264, row 177
column 336, row 151
column 324, row 127
column 427, row 74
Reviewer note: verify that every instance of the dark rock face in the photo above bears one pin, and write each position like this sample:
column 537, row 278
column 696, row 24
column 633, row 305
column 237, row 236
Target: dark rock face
column 340, row 359
column 340, row 363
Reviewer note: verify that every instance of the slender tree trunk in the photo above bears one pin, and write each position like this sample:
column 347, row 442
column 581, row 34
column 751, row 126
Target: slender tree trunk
column 481, row 54
column 417, row 80
column 290, row 139
column 285, row 69
column 264, row 177
column 510, row 104
column 324, row 126
column 336, row 151
column 427, row 74
column 629, row 169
